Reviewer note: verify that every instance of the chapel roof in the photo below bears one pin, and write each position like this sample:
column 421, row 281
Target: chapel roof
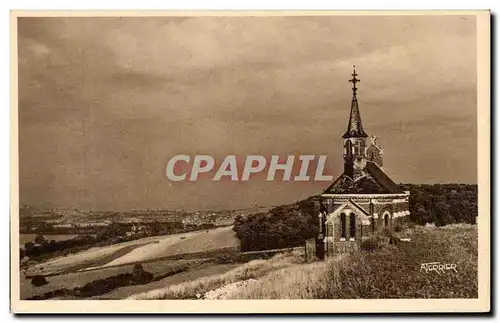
column 375, row 181
column 353, row 206
column 361, row 209
column 381, row 178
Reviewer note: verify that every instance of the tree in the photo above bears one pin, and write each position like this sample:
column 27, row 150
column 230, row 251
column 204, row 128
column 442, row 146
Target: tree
column 281, row 227
column 39, row 280
column 442, row 213
column 29, row 245
column 39, row 239
column 443, row 203
column 45, row 227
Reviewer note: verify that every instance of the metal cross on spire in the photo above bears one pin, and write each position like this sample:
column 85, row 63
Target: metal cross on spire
column 354, row 80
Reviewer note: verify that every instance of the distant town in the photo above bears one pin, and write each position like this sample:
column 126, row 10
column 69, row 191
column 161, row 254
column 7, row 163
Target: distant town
column 47, row 232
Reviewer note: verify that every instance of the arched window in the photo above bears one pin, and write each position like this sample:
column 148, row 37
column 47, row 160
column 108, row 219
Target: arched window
column 348, row 148
column 360, row 148
column 342, row 225
column 352, row 225
column 386, row 219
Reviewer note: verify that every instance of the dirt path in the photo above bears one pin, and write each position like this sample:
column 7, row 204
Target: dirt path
column 227, row 290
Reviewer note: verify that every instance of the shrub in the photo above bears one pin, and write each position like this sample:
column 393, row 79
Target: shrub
column 372, row 243
column 39, row 239
column 138, row 268
column 39, row 280
column 28, row 246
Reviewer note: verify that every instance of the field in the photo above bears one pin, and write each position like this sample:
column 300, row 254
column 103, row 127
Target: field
column 147, row 249
column 27, row 237
column 85, row 267
column 177, row 244
column 77, row 279
column 391, row 271
column 387, row 271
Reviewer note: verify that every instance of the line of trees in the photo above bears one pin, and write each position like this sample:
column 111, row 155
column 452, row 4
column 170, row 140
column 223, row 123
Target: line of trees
column 281, row 227
column 442, row 204
column 116, row 232
column 290, row 225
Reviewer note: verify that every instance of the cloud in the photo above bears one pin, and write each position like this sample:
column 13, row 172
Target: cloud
column 105, row 102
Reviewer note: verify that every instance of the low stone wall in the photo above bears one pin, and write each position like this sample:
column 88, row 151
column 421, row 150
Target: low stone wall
column 338, row 247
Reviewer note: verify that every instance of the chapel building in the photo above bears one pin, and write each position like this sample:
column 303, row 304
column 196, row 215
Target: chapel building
column 363, row 200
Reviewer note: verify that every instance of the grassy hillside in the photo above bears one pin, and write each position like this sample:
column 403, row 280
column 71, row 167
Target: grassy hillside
column 190, row 290
column 80, row 278
column 108, row 267
column 195, row 274
column 390, row 271
column 139, row 251
column 178, row 244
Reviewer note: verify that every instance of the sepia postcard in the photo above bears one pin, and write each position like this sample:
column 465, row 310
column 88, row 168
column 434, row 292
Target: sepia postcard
column 250, row 161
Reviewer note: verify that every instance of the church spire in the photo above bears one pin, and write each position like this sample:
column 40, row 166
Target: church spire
column 355, row 127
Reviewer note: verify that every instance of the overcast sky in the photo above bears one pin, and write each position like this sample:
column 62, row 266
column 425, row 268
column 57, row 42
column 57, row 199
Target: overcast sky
column 104, row 103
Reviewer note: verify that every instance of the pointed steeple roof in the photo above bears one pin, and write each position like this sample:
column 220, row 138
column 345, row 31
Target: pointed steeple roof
column 354, row 127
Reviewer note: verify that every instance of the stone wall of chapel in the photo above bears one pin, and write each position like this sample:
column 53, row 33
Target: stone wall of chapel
column 343, row 247
column 394, row 205
column 335, row 226
column 380, row 220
